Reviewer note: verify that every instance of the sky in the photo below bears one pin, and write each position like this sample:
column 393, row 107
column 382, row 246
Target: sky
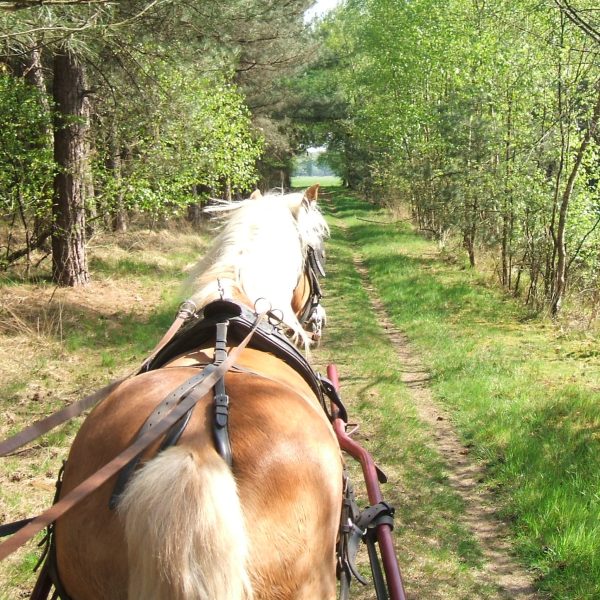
column 320, row 8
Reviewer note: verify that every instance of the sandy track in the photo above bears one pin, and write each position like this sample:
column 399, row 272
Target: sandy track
column 500, row 568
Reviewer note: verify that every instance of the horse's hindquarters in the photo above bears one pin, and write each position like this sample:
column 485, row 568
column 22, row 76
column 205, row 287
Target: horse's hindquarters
column 289, row 472
column 90, row 543
column 182, row 506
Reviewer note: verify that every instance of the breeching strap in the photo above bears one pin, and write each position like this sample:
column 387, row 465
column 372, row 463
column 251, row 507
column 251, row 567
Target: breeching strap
column 107, row 471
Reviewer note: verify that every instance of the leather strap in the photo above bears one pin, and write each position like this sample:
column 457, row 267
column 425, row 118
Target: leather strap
column 43, row 585
column 155, row 417
column 98, row 478
column 220, row 424
column 10, row 528
column 42, row 426
column 186, row 310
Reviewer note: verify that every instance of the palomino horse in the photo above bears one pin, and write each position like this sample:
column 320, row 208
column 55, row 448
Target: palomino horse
column 187, row 526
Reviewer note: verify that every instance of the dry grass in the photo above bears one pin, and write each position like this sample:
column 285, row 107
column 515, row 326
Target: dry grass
column 60, row 344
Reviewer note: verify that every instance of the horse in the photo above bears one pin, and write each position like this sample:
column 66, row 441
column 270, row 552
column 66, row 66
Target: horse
column 189, row 525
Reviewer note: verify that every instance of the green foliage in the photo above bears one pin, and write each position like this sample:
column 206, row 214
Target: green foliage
column 473, row 117
column 193, row 131
column 184, row 98
column 26, row 165
column 25, row 157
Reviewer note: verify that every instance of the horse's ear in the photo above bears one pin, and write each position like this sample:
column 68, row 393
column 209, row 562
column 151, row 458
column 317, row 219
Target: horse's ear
column 312, row 193
column 255, row 195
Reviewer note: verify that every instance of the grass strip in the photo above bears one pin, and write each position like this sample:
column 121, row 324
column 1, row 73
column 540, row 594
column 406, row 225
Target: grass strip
column 438, row 555
column 523, row 394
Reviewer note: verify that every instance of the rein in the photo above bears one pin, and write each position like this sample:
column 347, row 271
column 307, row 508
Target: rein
column 39, row 428
column 43, row 426
column 204, row 382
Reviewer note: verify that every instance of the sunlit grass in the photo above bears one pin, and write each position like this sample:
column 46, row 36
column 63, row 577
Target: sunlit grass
column 439, row 557
column 304, row 181
column 524, row 395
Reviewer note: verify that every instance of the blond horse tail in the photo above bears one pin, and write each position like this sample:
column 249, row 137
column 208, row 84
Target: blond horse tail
column 185, row 531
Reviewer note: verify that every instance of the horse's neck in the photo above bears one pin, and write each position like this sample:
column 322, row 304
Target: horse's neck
column 256, row 273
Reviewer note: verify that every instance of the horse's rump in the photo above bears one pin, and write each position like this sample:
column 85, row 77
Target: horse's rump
column 286, row 466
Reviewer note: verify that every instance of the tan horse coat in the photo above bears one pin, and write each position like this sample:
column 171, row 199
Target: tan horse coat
column 287, row 468
column 188, row 527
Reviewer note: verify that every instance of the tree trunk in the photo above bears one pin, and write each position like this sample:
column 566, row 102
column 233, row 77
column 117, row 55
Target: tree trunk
column 69, row 262
column 194, row 212
column 34, row 74
column 115, row 165
column 91, row 207
column 561, row 249
column 507, row 213
column 470, row 232
column 469, row 244
column 91, row 219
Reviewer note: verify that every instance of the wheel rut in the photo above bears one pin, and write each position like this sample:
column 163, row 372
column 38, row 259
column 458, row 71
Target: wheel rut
column 500, row 569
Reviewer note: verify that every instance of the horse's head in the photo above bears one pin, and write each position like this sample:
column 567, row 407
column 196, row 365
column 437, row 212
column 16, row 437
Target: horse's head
column 306, row 299
column 271, row 248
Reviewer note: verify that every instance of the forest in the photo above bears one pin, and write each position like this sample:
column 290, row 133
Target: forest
column 480, row 118
column 112, row 110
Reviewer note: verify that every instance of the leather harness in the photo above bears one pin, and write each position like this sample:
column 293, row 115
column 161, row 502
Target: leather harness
column 226, row 323
column 315, row 268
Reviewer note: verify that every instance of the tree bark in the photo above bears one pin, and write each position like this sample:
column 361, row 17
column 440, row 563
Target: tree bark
column 507, row 213
column 71, row 125
column 561, row 249
column 34, row 75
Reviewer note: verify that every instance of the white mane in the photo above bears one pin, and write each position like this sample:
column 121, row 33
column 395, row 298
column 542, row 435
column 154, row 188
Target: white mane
column 260, row 253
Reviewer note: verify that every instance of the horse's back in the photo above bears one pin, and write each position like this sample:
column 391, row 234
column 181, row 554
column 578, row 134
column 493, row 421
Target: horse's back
column 286, row 465
column 289, row 476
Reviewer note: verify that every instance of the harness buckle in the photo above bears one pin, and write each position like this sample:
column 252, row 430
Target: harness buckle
column 221, row 410
column 187, row 309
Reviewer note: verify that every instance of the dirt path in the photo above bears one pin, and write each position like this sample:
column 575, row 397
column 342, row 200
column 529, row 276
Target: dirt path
column 499, row 569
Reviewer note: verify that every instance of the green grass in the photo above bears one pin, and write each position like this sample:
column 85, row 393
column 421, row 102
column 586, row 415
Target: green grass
column 325, row 180
column 524, row 396
column 439, row 557
column 57, row 345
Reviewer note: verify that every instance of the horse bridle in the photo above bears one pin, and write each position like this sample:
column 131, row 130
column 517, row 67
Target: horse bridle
column 311, row 314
